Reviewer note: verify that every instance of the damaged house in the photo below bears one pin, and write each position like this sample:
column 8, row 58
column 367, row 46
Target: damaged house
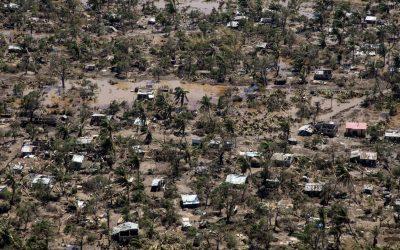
column 282, row 159
column 364, row 157
column 125, row 232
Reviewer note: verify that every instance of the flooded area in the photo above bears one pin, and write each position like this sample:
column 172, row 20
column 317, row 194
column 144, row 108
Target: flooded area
column 124, row 90
column 203, row 6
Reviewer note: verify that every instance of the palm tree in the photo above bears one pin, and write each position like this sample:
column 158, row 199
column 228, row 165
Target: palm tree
column 205, row 103
column 180, row 95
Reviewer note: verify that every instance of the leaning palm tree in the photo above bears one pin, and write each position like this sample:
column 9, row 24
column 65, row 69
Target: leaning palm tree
column 180, row 95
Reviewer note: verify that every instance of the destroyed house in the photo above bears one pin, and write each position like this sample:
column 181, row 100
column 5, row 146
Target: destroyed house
column 125, row 232
column 329, row 129
column 323, row 74
column 235, row 179
column 282, row 160
column 356, row 129
column 97, row 119
column 190, row 201
column 364, row 157
column 313, row 189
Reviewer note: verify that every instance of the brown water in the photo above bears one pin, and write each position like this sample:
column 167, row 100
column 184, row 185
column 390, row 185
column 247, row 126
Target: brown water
column 203, row 6
column 124, row 90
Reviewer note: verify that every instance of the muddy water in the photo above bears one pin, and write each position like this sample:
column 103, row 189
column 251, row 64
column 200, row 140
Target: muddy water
column 203, row 6
column 124, row 90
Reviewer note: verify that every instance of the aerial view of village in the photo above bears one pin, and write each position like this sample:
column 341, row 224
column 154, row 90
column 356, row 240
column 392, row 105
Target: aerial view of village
column 191, row 124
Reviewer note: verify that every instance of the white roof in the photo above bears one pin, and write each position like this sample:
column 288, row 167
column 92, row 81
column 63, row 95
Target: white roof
column 392, row 133
column 186, row 222
column 18, row 166
column 370, row 18
column 3, row 187
column 233, row 24
column 125, row 227
column 236, row 179
column 14, row 47
column 250, row 154
column 364, row 155
column 78, row 158
column 308, row 128
column 238, row 18
column 27, row 149
column 313, row 187
column 11, row 6
column 189, row 199
column 42, row 179
column 156, row 182
column 84, row 140
column 139, row 122
column 282, row 157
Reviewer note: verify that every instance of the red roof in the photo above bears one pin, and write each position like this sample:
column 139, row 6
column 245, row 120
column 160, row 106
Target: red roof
column 356, row 125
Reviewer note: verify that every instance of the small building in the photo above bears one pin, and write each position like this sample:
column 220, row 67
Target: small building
column 272, row 183
column 157, row 184
column 306, row 130
column 240, row 18
column 364, row 157
column 186, row 223
column 371, row 19
column 3, row 191
column 138, row 150
column 214, row 144
column 326, row 128
column 11, row 6
column 282, row 160
column 125, row 232
column 84, row 140
column 146, row 93
column 358, row 129
column 235, row 179
column 27, row 150
column 368, row 189
column 392, row 135
column 97, row 119
column 280, row 81
column 323, row 74
column 396, row 205
column 233, row 24
column 90, row 67
column 266, row 20
column 196, row 141
column 17, row 168
column 42, row 180
column 190, row 201
column 77, row 161
column 261, row 46
column 140, row 122
column 72, row 247
column 15, row 49
column 313, row 189
column 250, row 154
column 151, row 21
